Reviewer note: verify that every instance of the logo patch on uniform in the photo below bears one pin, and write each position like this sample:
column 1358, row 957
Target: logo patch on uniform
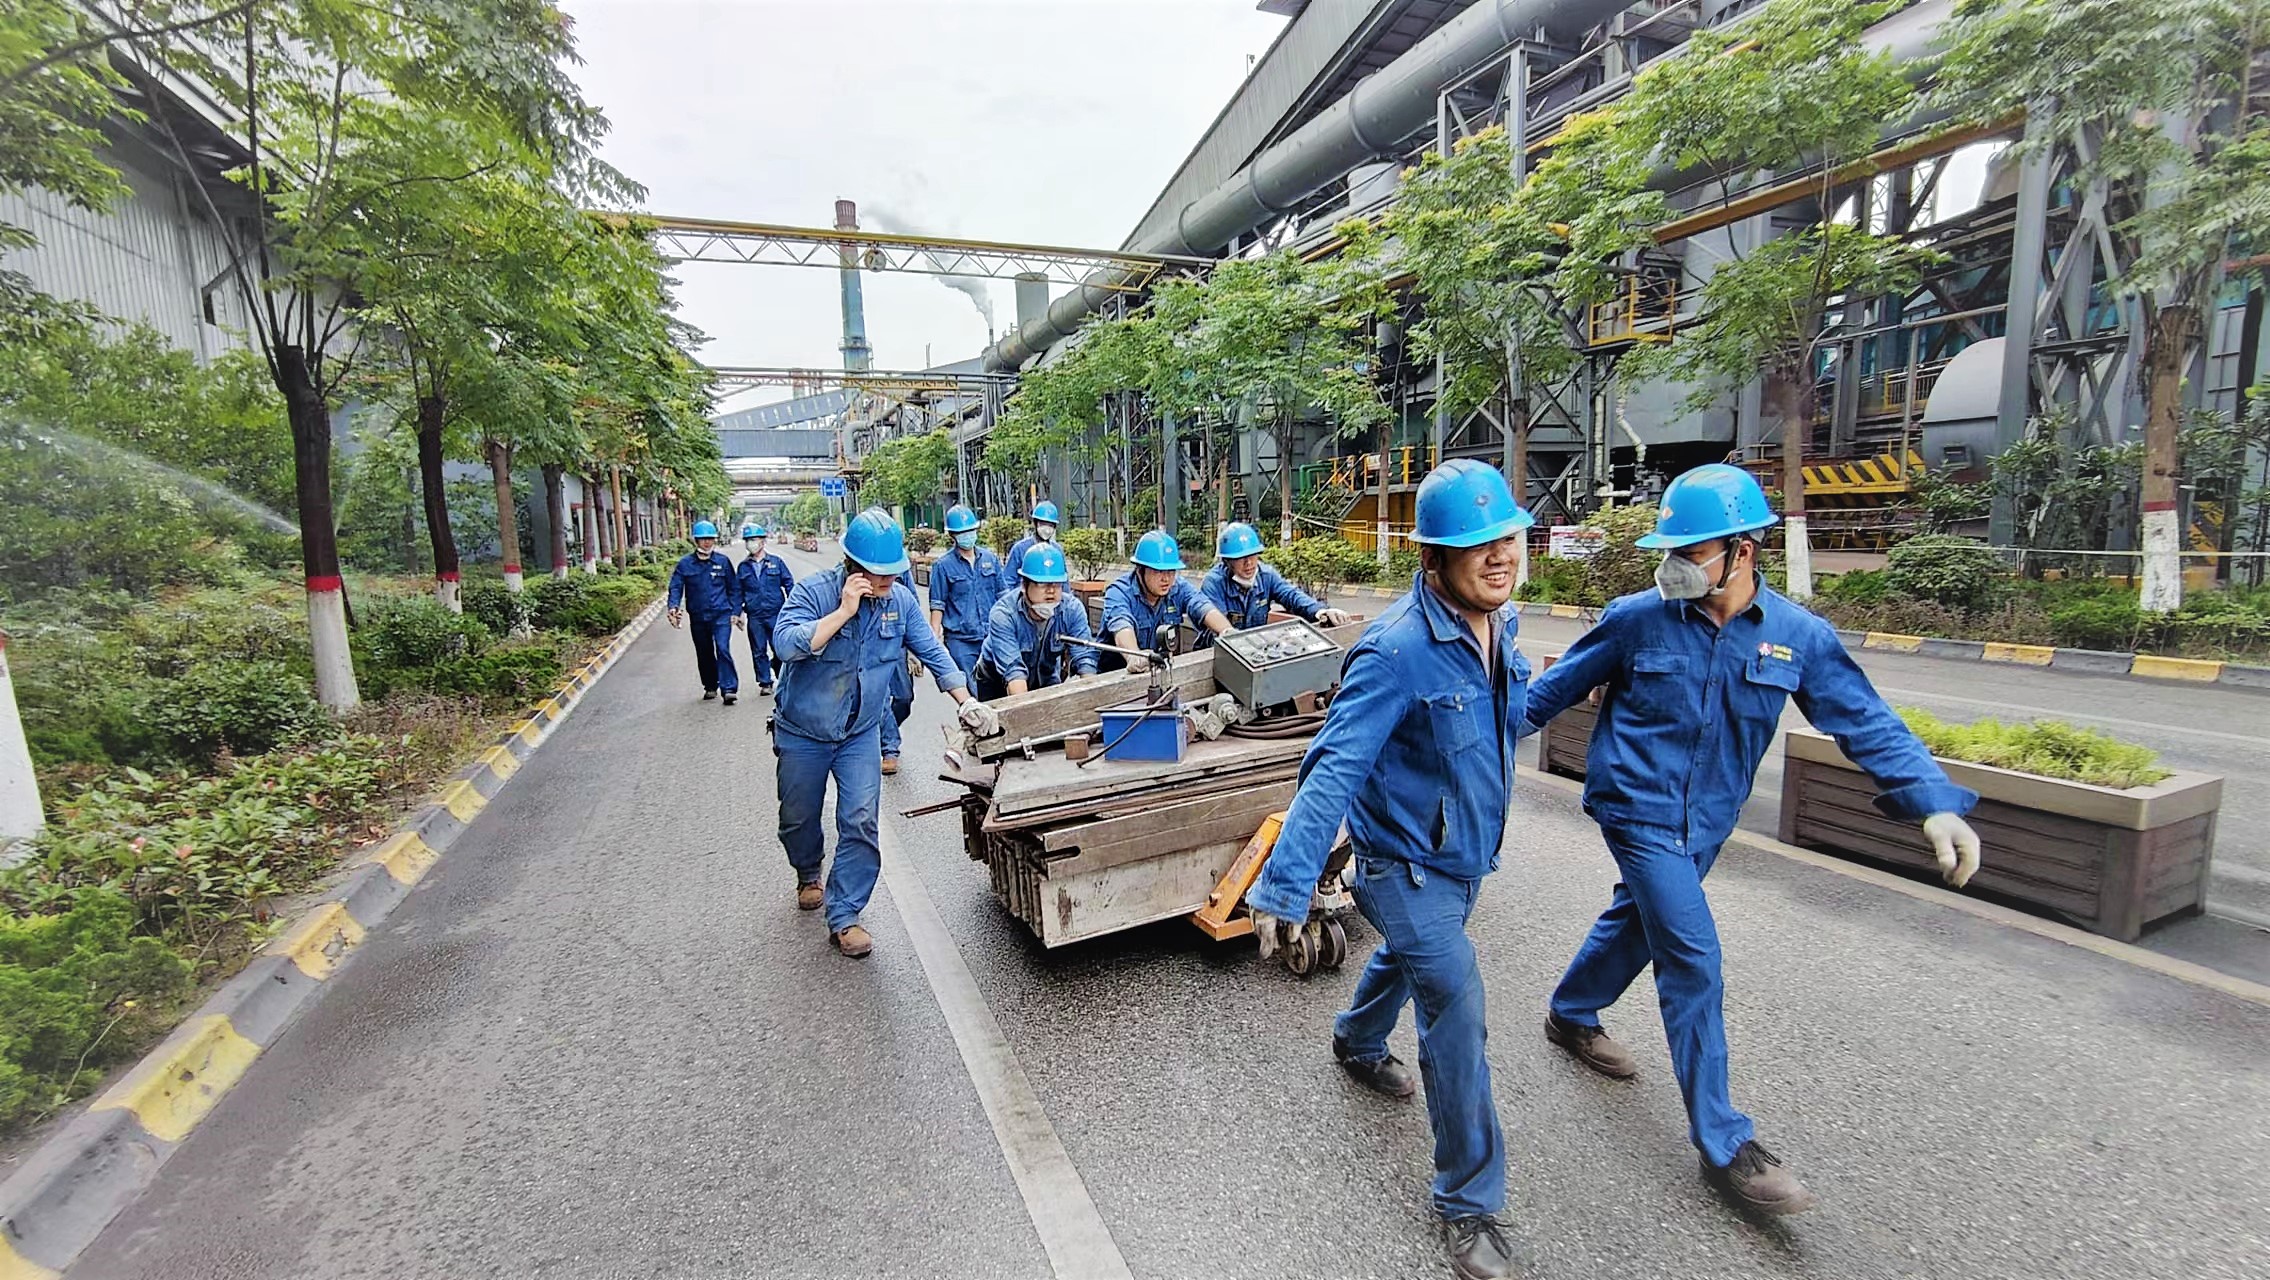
column 1780, row 652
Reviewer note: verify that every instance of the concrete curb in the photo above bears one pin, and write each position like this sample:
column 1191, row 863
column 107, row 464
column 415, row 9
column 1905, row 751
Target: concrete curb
column 2140, row 666
column 70, row 1188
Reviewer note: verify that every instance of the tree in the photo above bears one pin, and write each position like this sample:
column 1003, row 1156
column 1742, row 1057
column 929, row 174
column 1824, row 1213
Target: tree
column 2158, row 98
column 1793, row 87
column 805, row 512
column 908, row 470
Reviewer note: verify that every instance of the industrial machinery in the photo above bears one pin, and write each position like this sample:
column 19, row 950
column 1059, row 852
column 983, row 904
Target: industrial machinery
column 1270, row 667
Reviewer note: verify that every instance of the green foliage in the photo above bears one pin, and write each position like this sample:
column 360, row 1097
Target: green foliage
column 1947, row 504
column 1621, row 566
column 1093, row 552
column 923, row 538
column 2050, row 748
column 1000, row 532
column 804, row 513
column 78, row 992
column 1860, row 586
column 1320, row 561
column 243, row 708
column 1949, row 570
column 1402, row 564
column 416, row 631
column 511, row 675
column 503, row 612
column 1557, row 580
column 907, row 470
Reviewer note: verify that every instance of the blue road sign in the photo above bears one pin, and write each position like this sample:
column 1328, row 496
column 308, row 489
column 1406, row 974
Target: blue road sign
column 834, row 487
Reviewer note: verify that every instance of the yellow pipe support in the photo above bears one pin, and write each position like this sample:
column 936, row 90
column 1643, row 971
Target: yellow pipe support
column 2025, row 655
column 169, row 1092
column 2160, row 668
column 321, row 941
column 1893, row 642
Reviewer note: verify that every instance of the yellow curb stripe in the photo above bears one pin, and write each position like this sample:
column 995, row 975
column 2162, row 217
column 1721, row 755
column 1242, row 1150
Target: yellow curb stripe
column 169, row 1094
column 2028, row 655
column 15, row 1266
column 2175, row 668
column 1564, row 611
column 406, row 857
column 500, row 762
column 321, row 941
column 530, row 731
column 462, row 801
column 1892, row 641
column 551, row 707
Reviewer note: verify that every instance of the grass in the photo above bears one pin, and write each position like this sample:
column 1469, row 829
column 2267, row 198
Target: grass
column 2048, row 748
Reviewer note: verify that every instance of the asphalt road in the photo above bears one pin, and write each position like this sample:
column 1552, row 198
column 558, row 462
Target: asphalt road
column 598, row 1040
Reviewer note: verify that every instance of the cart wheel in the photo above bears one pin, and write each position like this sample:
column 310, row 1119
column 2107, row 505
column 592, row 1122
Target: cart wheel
column 1334, row 951
column 1301, row 953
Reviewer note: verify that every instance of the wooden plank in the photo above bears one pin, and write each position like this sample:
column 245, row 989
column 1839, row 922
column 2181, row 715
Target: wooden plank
column 1167, row 821
column 1099, row 902
column 1052, row 780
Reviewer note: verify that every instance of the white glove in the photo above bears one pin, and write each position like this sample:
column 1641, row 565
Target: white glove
column 981, row 720
column 1269, row 931
column 1334, row 617
column 1954, row 844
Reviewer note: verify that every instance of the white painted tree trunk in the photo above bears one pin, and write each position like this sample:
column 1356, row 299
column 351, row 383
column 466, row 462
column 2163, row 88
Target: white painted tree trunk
column 1800, row 558
column 512, row 579
column 20, row 813
column 1521, row 564
column 2162, row 586
column 447, row 589
column 327, row 633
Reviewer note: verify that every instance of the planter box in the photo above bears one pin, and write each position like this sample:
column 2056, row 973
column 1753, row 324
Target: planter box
column 1561, row 744
column 2110, row 861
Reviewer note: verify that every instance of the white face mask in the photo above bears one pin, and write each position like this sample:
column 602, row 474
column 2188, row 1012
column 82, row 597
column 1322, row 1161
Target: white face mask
column 757, row 547
column 1246, row 580
column 1679, row 578
column 1045, row 532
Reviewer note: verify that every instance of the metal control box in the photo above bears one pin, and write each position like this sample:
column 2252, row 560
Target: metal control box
column 1274, row 664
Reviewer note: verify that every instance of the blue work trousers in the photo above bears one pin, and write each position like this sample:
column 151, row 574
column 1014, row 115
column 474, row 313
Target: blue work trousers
column 964, row 652
column 856, row 764
column 761, row 657
column 713, row 651
column 1659, row 915
column 1425, row 958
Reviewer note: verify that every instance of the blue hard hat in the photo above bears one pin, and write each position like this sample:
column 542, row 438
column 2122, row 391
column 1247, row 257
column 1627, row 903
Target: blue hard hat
column 1044, row 562
column 704, row 529
column 1158, row 550
column 1046, row 511
column 1713, row 501
column 876, row 542
column 1464, row 503
column 960, row 519
column 1238, row 539
column 749, row 531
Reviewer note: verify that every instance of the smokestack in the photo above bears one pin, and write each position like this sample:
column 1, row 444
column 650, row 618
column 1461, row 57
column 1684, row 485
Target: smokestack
column 857, row 355
column 1032, row 297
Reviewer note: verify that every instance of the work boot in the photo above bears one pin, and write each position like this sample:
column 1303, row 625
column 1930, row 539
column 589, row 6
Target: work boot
column 1478, row 1247
column 809, row 896
column 764, row 690
column 890, row 765
column 732, row 698
column 707, row 694
column 1757, row 1180
column 1388, row 1075
column 853, row 941
column 1591, row 1046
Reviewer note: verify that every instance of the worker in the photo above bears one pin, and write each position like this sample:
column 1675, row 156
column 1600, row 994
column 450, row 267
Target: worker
column 1045, row 518
column 902, row 696
column 1025, row 645
column 841, row 634
column 705, row 583
column 765, row 580
column 1245, row 589
column 1416, row 757
column 964, row 584
column 1694, row 676
column 1151, row 595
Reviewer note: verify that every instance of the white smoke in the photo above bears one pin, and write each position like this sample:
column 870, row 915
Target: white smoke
column 882, row 218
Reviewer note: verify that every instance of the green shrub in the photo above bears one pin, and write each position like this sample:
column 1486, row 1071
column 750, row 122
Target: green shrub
column 244, row 708
column 1315, row 563
column 1094, row 553
column 1000, row 532
column 502, row 611
column 1556, row 580
column 77, row 993
column 1940, row 567
column 515, row 673
column 1860, row 586
column 1621, row 566
column 622, row 598
column 1402, row 564
column 2050, row 748
column 416, row 631
column 2108, row 623
column 922, row 538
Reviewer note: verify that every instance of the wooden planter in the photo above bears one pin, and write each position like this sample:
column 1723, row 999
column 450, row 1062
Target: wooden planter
column 1561, row 744
column 2110, row 861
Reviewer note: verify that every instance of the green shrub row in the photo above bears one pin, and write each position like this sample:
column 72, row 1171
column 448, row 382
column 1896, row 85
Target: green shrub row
column 2050, row 748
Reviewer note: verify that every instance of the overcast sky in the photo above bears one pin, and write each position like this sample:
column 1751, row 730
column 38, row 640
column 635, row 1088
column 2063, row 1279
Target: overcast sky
column 1043, row 121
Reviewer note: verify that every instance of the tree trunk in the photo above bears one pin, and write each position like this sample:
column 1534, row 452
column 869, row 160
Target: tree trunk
column 1519, row 482
column 615, row 500
column 1793, row 402
column 431, row 411
column 630, row 496
column 590, row 523
column 319, row 544
column 1285, row 483
column 2166, row 349
column 555, row 515
column 508, row 520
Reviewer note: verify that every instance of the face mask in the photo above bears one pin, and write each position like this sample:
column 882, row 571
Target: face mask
column 1045, row 532
column 965, row 540
column 1679, row 578
column 757, row 548
column 1245, row 581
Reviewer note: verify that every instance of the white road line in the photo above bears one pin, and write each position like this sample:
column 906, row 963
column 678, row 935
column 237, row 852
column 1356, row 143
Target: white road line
column 1078, row 1243
column 2067, row 713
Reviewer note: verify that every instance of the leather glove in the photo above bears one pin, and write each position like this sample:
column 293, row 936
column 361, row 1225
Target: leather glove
column 676, row 618
column 1334, row 617
column 981, row 720
column 1268, row 930
column 1955, row 845
column 913, row 665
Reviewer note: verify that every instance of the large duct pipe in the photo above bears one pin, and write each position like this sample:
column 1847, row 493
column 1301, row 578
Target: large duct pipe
column 1368, row 123
column 857, row 355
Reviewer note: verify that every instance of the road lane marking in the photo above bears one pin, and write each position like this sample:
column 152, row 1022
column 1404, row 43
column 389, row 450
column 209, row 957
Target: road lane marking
column 1073, row 1233
column 2067, row 713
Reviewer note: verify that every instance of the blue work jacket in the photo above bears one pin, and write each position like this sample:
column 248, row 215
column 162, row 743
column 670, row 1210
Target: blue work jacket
column 765, row 581
column 1034, row 652
column 840, row 691
column 1689, row 709
column 1249, row 607
column 709, row 587
column 1416, row 753
column 962, row 591
column 1124, row 606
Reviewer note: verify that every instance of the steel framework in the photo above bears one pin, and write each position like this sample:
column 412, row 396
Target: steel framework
column 766, row 244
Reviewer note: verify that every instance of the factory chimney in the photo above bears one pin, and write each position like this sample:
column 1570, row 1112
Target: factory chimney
column 857, row 355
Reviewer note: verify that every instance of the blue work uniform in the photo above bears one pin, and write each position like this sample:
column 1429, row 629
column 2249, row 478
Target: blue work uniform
column 711, row 594
column 1248, row 607
column 1018, row 549
column 902, row 685
column 1416, row 755
column 1124, row 606
column 833, row 704
column 1017, row 648
column 1689, row 709
column 765, row 581
column 962, row 592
